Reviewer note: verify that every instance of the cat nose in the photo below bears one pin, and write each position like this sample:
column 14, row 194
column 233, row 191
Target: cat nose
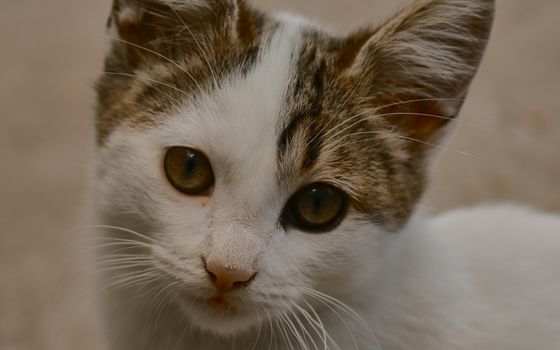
column 227, row 279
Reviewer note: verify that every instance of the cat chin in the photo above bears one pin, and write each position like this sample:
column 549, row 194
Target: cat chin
column 226, row 323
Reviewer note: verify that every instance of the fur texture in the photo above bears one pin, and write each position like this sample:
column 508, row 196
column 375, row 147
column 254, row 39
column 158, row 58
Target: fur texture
column 277, row 103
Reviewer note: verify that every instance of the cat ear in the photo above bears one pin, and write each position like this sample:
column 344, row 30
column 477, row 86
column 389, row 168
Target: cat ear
column 160, row 28
column 416, row 69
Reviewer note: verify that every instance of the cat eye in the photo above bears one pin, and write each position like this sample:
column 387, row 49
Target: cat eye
column 316, row 208
column 189, row 171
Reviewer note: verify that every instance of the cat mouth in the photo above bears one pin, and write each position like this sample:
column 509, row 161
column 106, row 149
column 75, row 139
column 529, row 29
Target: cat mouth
column 220, row 303
column 218, row 314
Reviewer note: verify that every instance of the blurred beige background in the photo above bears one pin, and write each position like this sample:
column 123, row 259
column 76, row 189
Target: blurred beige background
column 50, row 53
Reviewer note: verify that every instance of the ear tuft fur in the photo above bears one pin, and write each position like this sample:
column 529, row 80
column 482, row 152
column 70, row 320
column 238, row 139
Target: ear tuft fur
column 428, row 54
column 150, row 28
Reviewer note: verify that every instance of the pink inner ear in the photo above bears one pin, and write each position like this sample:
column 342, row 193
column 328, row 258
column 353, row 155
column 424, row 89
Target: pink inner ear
column 420, row 120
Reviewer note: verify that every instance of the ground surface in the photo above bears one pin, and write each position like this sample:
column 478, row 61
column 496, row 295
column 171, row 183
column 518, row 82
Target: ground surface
column 50, row 53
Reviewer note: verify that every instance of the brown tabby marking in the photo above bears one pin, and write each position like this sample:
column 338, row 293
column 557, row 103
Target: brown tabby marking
column 357, row 156
column 164, row 55
column 378, row 157
column 361, row 110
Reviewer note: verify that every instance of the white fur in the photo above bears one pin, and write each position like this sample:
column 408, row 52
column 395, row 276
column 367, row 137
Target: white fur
column 482, row 278
column 485, row 278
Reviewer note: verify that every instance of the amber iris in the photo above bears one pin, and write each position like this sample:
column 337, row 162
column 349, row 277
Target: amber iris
column 189, row 171
column 318, row 207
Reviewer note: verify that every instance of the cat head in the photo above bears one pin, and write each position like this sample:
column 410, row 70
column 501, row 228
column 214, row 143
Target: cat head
column 264, row 159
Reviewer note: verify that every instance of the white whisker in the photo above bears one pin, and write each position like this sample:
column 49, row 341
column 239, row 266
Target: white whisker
column 272, row 330
column 203, row 52
column 259, row 322
column 163, row 57
column 439, row 147
column 302, row 326
column 117, row 228
column 144, row 78
column 328, row 301
column 318, row 322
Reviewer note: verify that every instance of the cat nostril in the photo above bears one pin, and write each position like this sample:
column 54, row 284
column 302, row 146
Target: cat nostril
column 227, row 279
column 212, row 276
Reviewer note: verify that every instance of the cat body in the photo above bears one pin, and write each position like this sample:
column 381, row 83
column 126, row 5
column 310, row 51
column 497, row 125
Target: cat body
column 258, row 178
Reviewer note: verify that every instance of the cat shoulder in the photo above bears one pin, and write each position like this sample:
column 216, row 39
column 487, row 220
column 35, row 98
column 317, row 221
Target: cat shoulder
column 506, row 220
column 510, row 256
column 504, row 243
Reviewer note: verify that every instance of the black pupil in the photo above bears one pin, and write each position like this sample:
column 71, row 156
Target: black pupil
column 189, row 171
column 317, row 199
column 191, row 165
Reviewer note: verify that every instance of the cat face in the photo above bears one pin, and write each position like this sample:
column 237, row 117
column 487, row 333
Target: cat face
column 265, row 162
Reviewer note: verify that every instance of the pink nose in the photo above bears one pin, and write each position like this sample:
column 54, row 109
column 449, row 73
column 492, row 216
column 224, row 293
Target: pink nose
column 227, row 279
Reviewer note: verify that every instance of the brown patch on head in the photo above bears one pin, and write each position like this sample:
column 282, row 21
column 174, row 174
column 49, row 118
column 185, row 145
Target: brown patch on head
column 366, row 121
column 164, row 54
column 249, row 23
column 328, row 135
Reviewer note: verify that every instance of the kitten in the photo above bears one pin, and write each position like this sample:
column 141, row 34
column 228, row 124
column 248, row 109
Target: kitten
column 258, row 179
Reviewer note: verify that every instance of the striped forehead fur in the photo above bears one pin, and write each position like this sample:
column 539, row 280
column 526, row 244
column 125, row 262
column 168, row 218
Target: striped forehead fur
column 317, row 143
column 186, row 50
column 333, row 123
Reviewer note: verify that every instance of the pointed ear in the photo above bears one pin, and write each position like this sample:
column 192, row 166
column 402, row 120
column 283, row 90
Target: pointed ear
column 419, row 65
column 143, row 29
